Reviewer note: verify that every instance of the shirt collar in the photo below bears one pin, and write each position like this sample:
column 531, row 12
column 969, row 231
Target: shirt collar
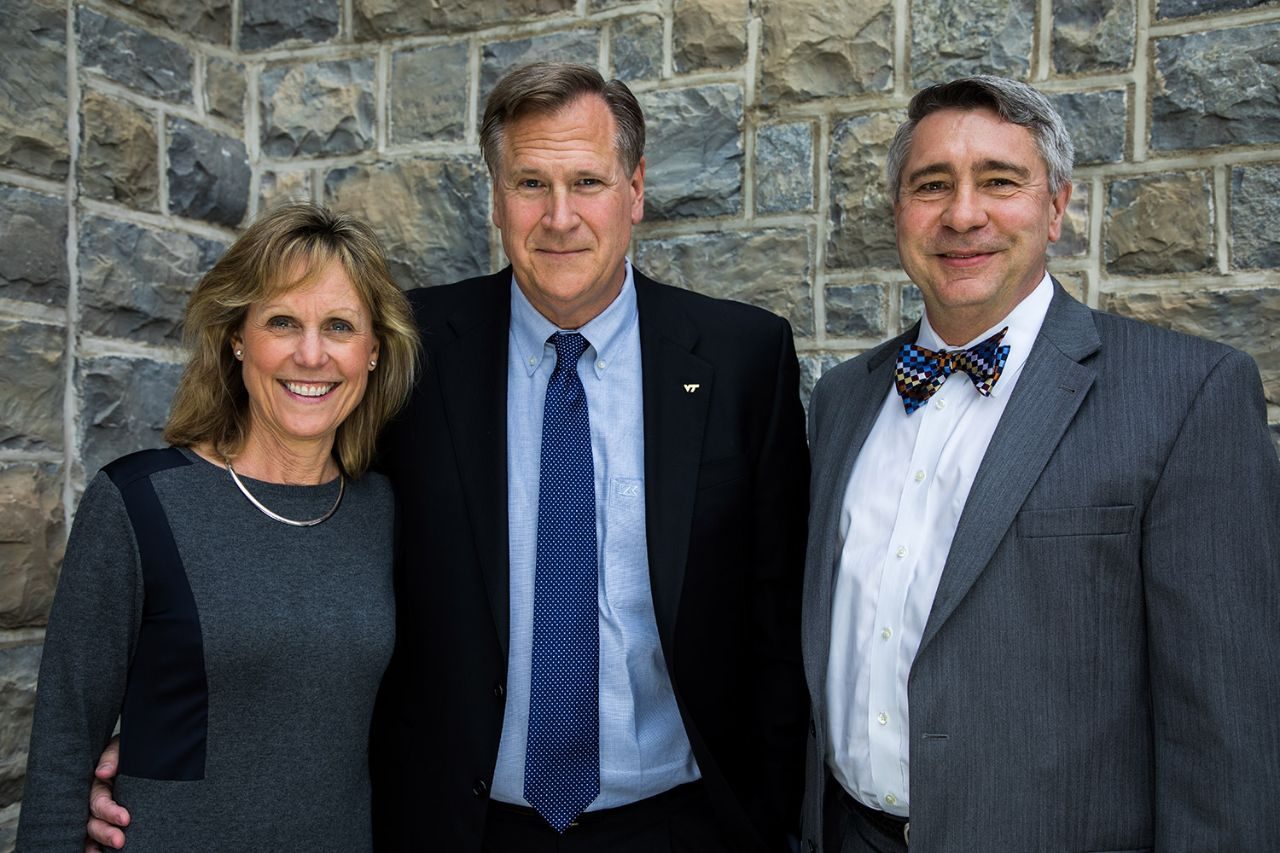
column 604, row 332
column 1024, row 323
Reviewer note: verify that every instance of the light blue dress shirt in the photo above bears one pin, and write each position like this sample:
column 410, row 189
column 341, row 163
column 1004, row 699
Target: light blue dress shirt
column 643, row 746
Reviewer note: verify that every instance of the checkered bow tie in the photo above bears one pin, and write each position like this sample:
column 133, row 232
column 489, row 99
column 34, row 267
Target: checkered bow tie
column 920, row 372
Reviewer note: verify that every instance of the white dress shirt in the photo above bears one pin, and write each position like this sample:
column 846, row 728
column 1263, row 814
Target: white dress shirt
column 901, row 506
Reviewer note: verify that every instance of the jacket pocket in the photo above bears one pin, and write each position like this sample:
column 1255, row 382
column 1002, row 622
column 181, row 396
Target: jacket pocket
column 1075, row 521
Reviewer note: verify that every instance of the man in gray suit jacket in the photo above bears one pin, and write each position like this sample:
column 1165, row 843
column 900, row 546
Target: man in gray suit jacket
column 1042, row 602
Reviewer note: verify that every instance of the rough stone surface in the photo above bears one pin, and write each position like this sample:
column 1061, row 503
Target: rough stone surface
column 861, row 233
column 225, row 86
column 318, row 108
column 1179, row 8
column 1217, row 88
column 19, row 666
column 1074, row 239
column 279, row 187
column 954, row 38
column 811, row 369
column 125, row 403
column 431, row 215
column 429, row 93
column 33, row 88
column 825, row 48
column 693, row 151
column 708, row 33
column 1093, row 35
column 769, row 267
column 1244, row 319
column 31, row 391
column 208, row 174
column 635, row 47
column 1096, row 121
column 910, row 306
column 135, row 58
column 134, row 281
column 267, row 23
column 119, row 153
column 1255, row 212
column 856, row 311
column 1073, row 283
column 33, row 232
column 208, row 20
column 784, row 167
column 499, row 57
column 1159, row 224
column 31, row 544
column 381, row 19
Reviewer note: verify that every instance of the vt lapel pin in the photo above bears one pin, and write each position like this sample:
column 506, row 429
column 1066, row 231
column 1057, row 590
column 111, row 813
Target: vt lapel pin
column 689, row 389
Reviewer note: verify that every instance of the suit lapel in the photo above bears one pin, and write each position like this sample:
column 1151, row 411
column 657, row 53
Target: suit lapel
column 1048, row 394
column 674, row 421
column 472, row 366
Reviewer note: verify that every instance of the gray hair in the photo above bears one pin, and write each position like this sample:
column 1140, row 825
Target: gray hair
column 546, row 87
column 1016, row 103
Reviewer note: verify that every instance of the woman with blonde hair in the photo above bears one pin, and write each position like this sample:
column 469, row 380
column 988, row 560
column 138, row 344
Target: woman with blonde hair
column 229, row 598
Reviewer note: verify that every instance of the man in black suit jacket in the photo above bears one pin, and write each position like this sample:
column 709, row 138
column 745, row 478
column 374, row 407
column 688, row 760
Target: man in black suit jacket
column 724, row 483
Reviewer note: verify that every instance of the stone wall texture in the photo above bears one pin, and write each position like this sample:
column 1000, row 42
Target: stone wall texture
column 138, row 136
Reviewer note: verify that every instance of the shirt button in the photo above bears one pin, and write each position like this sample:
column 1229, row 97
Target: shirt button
column 886, row 633
column 890, row 799
column 902, row 550
column 941, row 404
column 882, row 718
column 532, row 360
column 919, row 476
column 601, row 365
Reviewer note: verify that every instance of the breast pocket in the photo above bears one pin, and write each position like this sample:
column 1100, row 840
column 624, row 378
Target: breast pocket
column 720, row 471
column 1075, row 521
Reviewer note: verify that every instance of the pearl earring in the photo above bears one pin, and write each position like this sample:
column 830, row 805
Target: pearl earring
column 240, row 354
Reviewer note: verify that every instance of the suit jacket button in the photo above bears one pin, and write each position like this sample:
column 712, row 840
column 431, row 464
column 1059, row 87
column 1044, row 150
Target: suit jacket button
column 480, row 788
column 499, row 691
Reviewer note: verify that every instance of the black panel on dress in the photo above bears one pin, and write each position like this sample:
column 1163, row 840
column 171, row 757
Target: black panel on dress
column 164, row 721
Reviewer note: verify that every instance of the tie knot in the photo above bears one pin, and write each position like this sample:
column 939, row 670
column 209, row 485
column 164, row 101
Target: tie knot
column 569, row 348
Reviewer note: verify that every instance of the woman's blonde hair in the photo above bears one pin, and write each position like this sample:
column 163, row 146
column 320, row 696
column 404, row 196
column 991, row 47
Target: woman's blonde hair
column 281, row 250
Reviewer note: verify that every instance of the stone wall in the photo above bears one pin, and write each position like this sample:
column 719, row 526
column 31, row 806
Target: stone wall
column 136, row 136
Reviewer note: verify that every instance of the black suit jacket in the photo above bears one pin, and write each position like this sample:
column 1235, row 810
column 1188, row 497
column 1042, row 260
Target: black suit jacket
column 726, row 474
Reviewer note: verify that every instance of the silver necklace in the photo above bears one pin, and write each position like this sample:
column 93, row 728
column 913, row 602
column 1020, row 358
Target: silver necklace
column 342, row 485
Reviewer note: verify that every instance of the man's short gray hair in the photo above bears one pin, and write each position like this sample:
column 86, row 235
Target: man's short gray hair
column 1016, row 103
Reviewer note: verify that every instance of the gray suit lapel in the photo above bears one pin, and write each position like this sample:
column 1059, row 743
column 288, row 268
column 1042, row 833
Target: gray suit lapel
column 1048, row 394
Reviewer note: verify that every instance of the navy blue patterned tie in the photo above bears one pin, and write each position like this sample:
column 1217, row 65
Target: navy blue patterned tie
column 562, row 754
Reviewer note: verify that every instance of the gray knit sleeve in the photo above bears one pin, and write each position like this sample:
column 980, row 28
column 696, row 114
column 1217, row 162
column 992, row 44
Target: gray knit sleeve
column 92, row 627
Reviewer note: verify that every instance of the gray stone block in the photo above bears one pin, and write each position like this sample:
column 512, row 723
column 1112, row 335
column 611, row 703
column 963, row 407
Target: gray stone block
column 124, row 406
column 635, row 47
column 1093, row 35
column 769, row 267
column 31, row 544
column 224, row 88
column 954, row 38
column 208, row 174
column 33, row 89
column 861, row 232
column 1179, row 8
column 19, row 666
column 693, row 151
column 784, row 167
column 429, row 93
column 276, row 188
column 135, row 58
column 1255, row 210
column 118, row 158
column 1159, row 224
column 910, row 306
column 33, row 231
column 207, row 20
column 1074, row 239
column 317, row 108
column 1217, row 88
column 267, row 23
column 1244, row 319
column 135, row 281
column 709, row 33
column 857, row 311
column 431, row 215
column 499, row 57
column 1096, row 122
column 825, row 48
column 31, row 386
column 811, row 369
column 379, row 20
